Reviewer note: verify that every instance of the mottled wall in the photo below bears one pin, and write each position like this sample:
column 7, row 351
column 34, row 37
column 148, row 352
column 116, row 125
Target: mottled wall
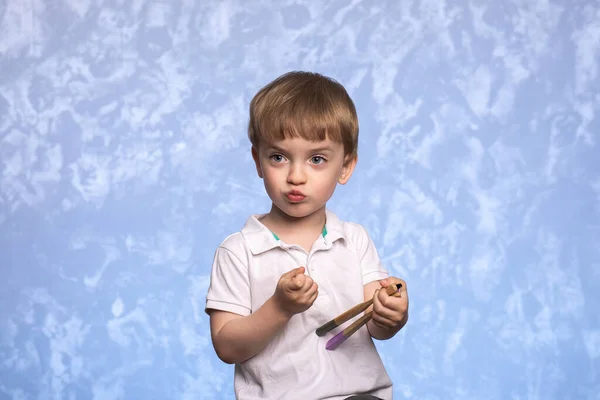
column 124, row 162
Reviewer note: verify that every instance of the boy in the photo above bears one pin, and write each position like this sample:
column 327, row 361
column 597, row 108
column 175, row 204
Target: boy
column 290, row 270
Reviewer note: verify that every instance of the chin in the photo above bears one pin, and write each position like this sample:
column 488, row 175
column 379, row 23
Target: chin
column 298, row 210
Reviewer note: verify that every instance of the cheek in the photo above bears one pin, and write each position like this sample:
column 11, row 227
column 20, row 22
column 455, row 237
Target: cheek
column 271, row 176
column 269, row 171
column 327, row 184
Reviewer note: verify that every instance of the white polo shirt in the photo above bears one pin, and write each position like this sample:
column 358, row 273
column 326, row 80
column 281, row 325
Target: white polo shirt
column 295, row 364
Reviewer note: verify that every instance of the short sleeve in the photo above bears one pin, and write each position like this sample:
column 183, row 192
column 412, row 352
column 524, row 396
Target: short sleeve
column 229, row 288
column 370, row 264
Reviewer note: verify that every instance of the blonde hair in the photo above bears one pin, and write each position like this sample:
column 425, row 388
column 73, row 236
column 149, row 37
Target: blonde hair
column 307, row 105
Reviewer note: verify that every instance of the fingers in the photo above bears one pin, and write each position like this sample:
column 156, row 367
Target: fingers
column 381, row 303
column 309, row 290
column 298, row 282
column 383, row 321
column 295, row 291
column 294, row 279
column 313, row 295
column 307, row 294
column 394, row 280
column 388, row 310
column 308, row 285
column 295, row 272
column 397, row 303
column 380, row 313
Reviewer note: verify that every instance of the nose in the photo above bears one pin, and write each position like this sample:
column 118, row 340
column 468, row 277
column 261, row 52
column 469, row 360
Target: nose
column 296, row 174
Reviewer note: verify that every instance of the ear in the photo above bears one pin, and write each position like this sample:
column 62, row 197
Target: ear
column 348, row 169
column 256, row 161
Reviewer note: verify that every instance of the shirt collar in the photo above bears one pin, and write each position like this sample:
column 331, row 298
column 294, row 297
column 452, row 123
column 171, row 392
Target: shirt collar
column 261, row 239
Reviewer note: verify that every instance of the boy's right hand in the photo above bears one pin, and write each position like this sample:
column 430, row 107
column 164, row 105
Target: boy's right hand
column 295, row 292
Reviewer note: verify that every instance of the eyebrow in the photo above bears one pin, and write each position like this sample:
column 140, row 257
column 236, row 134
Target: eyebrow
column 322, row 149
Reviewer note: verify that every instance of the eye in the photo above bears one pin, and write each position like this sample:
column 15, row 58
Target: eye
column 277, row 158
column 317, row 160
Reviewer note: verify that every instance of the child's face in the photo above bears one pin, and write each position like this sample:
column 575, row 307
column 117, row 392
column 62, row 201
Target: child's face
column 300, row 176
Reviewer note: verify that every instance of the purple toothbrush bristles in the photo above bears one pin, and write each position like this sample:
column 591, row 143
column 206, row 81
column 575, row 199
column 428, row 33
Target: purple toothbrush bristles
column 335, row 341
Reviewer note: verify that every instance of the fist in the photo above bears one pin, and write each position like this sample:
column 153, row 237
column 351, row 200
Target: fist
column 295, row 292
column 390, row 312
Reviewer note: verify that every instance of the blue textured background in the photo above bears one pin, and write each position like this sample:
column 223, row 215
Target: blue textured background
column 124, row 162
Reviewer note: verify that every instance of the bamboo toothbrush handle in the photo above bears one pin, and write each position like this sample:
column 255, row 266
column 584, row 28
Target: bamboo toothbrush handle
column 345, row 316
column 341, row 337
column 391, row 290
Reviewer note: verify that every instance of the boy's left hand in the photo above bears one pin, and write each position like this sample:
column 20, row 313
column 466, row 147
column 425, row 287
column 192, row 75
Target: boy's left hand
column 390, row 312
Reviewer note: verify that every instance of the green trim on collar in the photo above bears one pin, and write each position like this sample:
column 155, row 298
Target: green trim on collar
column 323, row 232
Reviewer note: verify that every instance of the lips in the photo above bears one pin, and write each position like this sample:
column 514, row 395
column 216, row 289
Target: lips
column 295, row 196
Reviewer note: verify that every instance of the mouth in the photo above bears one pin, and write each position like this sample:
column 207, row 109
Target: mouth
column 295, row 196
